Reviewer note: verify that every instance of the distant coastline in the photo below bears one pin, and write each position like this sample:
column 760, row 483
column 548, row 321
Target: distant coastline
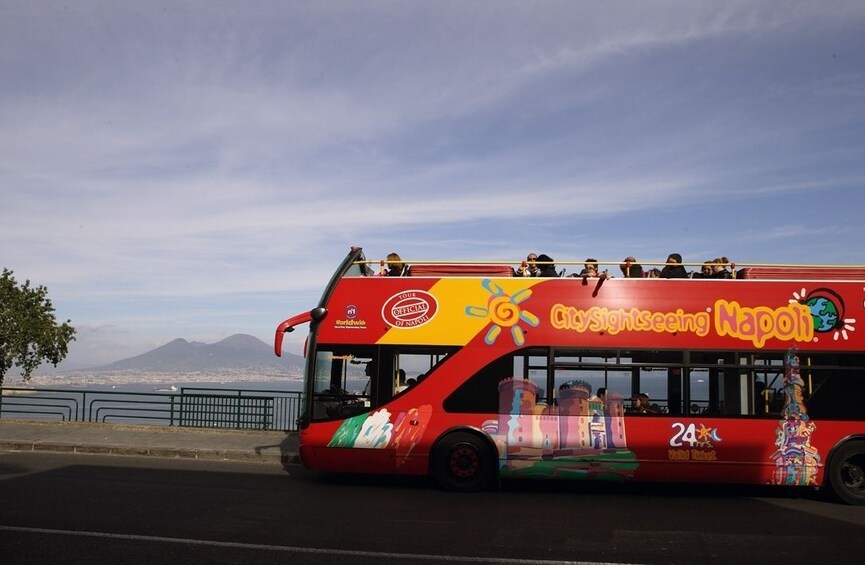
column 156, row 379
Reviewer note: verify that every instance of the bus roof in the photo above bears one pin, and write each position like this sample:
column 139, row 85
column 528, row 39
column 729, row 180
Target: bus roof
column 797, row 272
column 455, row 303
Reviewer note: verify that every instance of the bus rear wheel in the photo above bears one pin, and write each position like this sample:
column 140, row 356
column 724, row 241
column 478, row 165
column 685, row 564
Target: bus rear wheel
column 462, row 462
column 847, row 473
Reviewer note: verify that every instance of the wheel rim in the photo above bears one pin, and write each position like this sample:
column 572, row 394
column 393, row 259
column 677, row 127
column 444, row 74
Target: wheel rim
column 464, row 461
column 853, row 476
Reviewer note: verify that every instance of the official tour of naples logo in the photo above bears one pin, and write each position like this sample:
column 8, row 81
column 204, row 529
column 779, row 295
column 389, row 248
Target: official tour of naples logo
column 351, row 311
column 409, row 309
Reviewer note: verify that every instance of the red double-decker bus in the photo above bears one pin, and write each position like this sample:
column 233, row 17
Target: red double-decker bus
column 469, row 373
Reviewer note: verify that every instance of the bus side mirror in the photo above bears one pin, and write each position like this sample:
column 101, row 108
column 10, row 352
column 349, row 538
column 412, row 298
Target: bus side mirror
column 318, row 314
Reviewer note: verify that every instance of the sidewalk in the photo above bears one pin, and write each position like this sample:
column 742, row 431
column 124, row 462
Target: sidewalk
column 157, row 441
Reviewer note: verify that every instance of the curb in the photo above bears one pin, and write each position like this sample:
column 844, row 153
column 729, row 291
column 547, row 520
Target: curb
column 164, row 452
column 13, row 422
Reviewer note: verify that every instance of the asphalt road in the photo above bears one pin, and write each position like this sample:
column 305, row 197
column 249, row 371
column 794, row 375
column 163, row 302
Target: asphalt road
column 72, row 508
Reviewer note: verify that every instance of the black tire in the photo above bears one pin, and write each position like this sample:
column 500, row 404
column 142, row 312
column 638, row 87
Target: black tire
column 462, row 462
column 847, row 473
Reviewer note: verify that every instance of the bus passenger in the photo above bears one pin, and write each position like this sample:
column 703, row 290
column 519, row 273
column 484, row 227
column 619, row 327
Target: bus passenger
column 761, row 398
column 602, row 395
column 395, row 266
column 674, row 269
column 719, row 268
column 642, row 405
column 590, row 268
column 529, row 267
column 653, row 273
column 547, row 266
column 370, row 371
column 399, row 381
column 706, row 271
column 631, row 269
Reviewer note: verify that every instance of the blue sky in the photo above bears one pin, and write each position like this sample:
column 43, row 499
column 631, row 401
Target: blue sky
column 197, row 169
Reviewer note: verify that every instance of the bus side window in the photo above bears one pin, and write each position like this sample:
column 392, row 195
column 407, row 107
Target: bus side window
column 480, row 392
column 834, row 387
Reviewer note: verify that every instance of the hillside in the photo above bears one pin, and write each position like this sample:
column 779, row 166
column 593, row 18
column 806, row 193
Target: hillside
column 238, row 352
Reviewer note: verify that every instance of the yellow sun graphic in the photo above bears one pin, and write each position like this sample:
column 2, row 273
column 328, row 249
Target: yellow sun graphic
column 503, row 311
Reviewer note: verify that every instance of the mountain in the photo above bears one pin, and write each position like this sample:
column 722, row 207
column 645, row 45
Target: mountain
column 235, row 353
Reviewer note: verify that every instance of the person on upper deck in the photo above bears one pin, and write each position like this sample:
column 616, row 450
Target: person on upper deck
column 631, row 269
column 395, row 266
column 529, row 267
column 706, row 271
column 674, row 268
column 719, row 268
column 590, row 268
column 547, row 266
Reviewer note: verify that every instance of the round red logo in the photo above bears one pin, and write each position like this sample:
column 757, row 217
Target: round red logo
column 409, row 309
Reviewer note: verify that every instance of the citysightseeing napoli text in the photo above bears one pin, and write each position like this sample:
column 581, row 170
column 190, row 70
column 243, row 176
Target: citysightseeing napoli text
column 792, row 322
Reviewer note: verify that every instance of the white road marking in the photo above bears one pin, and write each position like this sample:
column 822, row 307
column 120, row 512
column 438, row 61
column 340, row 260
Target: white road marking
column 293, row 549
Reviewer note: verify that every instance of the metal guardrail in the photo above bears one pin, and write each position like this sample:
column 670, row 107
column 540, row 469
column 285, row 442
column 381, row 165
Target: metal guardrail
column 201, row 407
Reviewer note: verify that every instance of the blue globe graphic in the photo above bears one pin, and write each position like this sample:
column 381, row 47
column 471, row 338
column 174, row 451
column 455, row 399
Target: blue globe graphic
column 824, row 312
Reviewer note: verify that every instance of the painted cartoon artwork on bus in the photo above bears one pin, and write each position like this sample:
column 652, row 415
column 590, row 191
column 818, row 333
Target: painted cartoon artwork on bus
column 796, row 460
column 382, row 430
column 827, row 310
column 582, row 437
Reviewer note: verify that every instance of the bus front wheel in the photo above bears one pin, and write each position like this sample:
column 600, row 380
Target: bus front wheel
column 847, row 473
column 462, row 462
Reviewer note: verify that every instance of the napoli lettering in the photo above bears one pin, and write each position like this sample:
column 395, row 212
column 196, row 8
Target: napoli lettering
column 792, row 322
column 598, row 319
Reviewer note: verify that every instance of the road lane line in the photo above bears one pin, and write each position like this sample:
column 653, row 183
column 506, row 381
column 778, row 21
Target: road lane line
column 294, row 549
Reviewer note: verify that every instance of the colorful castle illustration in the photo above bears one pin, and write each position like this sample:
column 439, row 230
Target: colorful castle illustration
column 582, row 436
column 796, row 460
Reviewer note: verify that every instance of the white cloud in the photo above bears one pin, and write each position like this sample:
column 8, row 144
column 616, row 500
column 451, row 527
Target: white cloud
column 207, row 152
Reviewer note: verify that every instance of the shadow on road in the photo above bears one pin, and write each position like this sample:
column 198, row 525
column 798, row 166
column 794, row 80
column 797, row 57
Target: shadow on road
column 580, row 488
